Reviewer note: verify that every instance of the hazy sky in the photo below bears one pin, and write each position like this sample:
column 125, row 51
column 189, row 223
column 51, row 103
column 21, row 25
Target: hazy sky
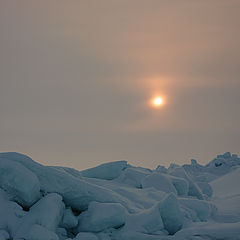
column 76, row 78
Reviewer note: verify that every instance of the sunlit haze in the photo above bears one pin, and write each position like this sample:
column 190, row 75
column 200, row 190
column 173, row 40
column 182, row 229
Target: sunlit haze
column 79, row 78
column 157, row 101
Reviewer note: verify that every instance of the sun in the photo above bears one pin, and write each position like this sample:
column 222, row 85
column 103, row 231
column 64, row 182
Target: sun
column 157, row 101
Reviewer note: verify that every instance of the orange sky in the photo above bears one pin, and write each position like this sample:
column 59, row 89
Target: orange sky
column 77, row 77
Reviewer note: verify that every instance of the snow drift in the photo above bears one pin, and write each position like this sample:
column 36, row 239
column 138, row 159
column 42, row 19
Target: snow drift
column 116, row 201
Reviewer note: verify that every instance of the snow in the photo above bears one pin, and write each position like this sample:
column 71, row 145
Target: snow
column 86, row 236
column 132, row 235
column 19, row 182
column 76, row 192
column 148, row 221
column 211, row 231
column 228, row 209
column 4, row 235
column 133, row 177
column 116, row 201
column 171, row 214
column 101, row 216
column 203, row 209
column 47, row 212
column 10, row 212
column 160, row 182
column 180, row 184
column 37, row 232
column 69, row 220
column 226, row 186
column 219, row 166
column 105, row 171
column 205, row 188
column 61, row 233
column 226, row 196
column 193, row 189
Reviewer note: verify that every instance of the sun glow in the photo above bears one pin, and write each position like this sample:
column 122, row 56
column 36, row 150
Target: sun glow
column 157, row 101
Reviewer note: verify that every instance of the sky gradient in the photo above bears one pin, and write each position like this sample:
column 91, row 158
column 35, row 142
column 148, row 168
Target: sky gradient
column 77, row 76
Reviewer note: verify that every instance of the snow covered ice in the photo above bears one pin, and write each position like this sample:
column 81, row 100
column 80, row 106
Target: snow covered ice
column 117, row 201
column 101, row 216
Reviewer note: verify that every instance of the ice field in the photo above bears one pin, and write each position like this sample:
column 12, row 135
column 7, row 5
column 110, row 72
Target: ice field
column 117, row 201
